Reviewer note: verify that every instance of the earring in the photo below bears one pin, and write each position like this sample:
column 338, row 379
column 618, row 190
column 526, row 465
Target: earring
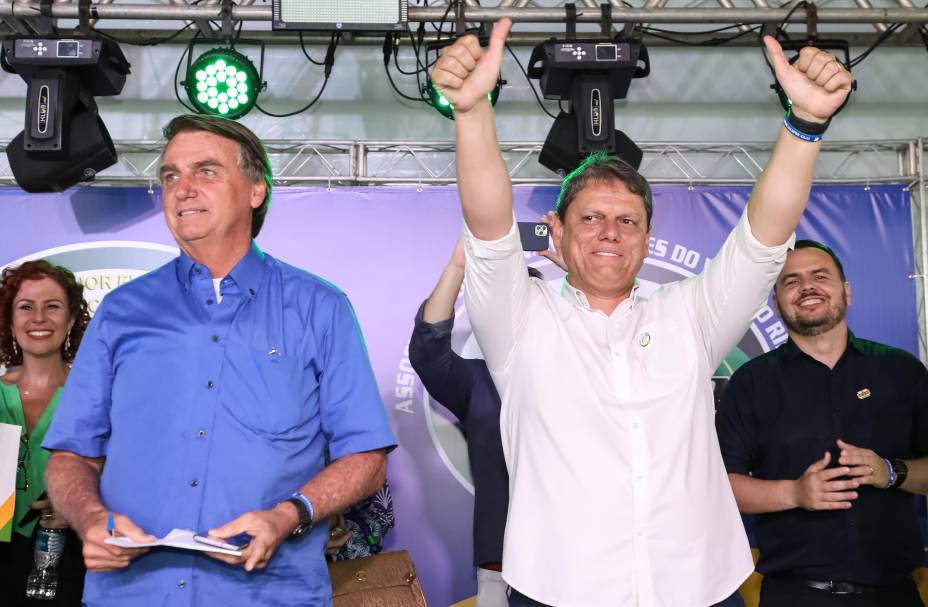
column 67, row 343
column 15, row 348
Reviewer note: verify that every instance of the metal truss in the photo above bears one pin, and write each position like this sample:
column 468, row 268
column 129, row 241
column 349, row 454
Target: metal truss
column 346, row 163
column 856, row 20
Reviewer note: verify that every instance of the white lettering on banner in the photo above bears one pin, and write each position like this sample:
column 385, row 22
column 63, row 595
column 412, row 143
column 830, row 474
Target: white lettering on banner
column 404, row 390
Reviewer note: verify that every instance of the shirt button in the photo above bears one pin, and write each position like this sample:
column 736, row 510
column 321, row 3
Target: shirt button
column 194, row 483
column 215, row 339
column 209, row 302
column 181, row 584
column 635, row 425
column 639, row 478
column 210, row 384
column 201, row 433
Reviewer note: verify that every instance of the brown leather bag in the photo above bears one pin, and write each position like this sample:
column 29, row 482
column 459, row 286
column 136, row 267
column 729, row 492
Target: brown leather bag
column 387, row 579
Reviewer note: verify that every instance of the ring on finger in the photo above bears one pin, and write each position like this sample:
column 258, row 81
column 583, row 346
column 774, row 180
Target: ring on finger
column 871, row 469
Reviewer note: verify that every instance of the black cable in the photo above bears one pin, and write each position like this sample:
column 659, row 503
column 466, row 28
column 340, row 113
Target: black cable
column 329, row 62
column 306, row 52
column 779, row 30
column 531, row 85
column 444, row 18
column 177, row 74
column 883, row 38
column 717, row 41
column 299, row 111
column 152, row 42
column 387, row 50
column 420, row 98
column 396, row 62
column 700, row 32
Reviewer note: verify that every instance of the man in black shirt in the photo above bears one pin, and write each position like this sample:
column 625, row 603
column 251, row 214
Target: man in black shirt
column 825, row 440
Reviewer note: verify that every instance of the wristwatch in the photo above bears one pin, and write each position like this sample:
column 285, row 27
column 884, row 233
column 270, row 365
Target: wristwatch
column 900, row 470
column 304, row 510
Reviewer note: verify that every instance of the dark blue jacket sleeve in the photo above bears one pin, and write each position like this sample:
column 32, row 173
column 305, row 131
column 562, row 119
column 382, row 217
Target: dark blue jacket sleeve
column 444, row 374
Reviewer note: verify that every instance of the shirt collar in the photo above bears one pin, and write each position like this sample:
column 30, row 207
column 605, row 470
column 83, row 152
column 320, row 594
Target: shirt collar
column 578, row 297
column 247, row 273
column 791, row 350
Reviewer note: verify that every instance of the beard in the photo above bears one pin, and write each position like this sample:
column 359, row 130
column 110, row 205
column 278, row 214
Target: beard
column 812, row 326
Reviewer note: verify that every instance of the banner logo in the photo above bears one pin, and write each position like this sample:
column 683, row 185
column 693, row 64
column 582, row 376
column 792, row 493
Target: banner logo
column 102, row 266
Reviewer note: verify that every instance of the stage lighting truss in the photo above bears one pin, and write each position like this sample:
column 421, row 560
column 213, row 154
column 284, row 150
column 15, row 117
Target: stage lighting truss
column 445, row 107
column 223, row 81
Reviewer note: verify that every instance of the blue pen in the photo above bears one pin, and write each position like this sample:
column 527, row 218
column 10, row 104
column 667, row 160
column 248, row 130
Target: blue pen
column 110, row 524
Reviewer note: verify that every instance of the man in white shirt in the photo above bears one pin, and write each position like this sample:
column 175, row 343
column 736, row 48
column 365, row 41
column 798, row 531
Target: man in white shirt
column 607, row 414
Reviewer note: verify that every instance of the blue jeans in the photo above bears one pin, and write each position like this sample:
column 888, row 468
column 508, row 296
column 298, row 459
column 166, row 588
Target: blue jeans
column 517, row 599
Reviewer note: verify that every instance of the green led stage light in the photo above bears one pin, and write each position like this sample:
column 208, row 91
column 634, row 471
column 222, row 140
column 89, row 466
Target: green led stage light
column 222, row 82
column 444, row 107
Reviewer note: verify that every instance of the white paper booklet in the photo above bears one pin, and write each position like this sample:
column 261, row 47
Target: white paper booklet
column 176, row 538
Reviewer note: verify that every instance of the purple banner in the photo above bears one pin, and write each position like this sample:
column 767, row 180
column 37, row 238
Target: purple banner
column 386, row 247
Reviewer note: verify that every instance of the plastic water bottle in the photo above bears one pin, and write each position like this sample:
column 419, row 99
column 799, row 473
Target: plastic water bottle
column 42, row 583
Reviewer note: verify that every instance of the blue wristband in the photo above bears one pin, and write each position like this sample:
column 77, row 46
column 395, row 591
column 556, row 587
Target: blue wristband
column 797, row 133
column 892, row 474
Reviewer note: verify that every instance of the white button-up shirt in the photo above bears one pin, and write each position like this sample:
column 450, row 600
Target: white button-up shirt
column 618, row 493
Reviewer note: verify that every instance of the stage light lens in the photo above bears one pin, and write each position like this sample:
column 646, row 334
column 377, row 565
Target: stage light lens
column 228, row 79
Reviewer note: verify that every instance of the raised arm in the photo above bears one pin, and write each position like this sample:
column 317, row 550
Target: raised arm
column 465, row 74
column 443, row 373
column 817, row 84
column 440, row 304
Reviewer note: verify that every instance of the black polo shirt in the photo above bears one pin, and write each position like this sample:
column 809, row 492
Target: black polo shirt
column 783, row 410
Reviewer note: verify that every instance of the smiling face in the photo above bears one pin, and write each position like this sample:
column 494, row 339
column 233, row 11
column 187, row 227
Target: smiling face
column 208, row 200
column 40, row 316
column 604, row 240
column 811, row 296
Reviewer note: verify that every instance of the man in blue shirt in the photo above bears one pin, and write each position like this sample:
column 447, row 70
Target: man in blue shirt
column 210, row 388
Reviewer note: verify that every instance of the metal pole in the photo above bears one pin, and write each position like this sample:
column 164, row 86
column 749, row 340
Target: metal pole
column 535, row 15
column 920, row 166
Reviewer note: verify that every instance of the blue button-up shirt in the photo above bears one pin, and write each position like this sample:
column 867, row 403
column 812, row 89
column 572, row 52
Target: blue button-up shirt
column 207, row 410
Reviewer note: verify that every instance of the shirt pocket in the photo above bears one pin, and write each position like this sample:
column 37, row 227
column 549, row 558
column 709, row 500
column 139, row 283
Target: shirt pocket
column 269, row 391
column 665, row 351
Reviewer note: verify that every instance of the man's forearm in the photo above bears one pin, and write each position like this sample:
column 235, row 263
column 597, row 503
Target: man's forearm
column 73, row 484
column 346, row 481
column 440, row 304
column 483, row 180
column 917, row 479
column 757, row 496
column 782, row 191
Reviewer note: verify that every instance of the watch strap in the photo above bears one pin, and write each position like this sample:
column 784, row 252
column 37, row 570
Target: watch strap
column 900, row 472
column 305, row 512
